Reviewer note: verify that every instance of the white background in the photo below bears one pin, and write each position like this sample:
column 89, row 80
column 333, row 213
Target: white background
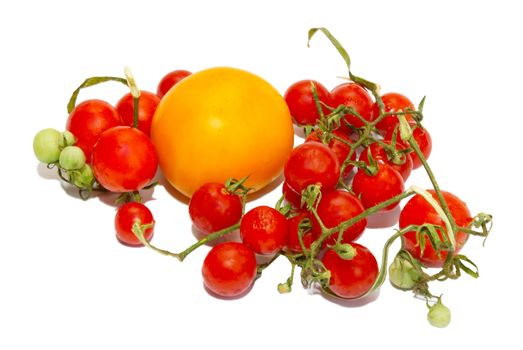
column 66, row 283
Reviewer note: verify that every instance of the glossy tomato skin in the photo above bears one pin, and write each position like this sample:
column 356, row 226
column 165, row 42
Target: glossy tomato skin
column 338, row 147
column 312, row 163
column 169, row 80
column 229, row 269
column 124, row 159
column 125, row 218
column 418, row 211
column 394, row 102
column 374, row 189
column 293, row 241
column 147, row 104
column 354, row 277
column 291, row 196
column 264, row 230
column 222, row 123
column 88, row 120
column 301, row 103
column 353, row 95
column 379, row 154
column 336, row 207
column 213, row 208
column 422, row 138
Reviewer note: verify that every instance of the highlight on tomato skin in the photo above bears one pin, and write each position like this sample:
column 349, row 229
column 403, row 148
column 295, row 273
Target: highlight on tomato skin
column 124, row 159
column 418, row 211
column 264, row 229
column 229, row 269
column 88, row 120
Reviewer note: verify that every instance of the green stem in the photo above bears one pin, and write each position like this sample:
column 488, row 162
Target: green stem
column 90, row 82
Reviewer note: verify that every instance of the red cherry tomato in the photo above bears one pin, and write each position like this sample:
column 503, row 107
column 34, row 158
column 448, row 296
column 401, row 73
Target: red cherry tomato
column 402, row 164
column 338, row 147
column 351, row 278
column 374, row 189
column 353, row 95
column 169, row 80
column 147, row 104
column 422, row 138
column 126, row 216
column 293, row 223
column 418, row 211
column 213, row 208
column 264, row 229
column 336, row 207
column 301, row 104
column 229, row 269
column 291, row 196
column 312, row 163
column 394, row 102
column 124, row 159
column 88, row 120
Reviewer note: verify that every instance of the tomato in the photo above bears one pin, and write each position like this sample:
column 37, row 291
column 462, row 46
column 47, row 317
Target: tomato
column 293, row 224
column 422, row 138
column 301, row 103
column 124, row 159
column 222, row 123
column 147, row 104
column 336, row 207
column 213, row 208
column 351, row 278
column 169, row 80
column 418, row 211
column 339, row 148
column 401, row 163
column 88, row 120
column 126, row 216
column 291, row 196
column 374, row 189
column 355, row 96
column 312, row 163
column 264, row 229
column 394, row 102
column 229, row 269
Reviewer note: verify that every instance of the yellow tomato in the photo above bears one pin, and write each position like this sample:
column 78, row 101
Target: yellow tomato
column 221, row 123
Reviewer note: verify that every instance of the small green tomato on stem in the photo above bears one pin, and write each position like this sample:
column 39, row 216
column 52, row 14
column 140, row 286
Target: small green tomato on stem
column 47, row 145
column 439, row 314
column 72, row 158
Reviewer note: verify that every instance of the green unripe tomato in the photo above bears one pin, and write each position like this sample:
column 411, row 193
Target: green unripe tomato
column 68, row 138
column 403, row 274
column 439, row 315
column 83, row 178
column 72, row 158
column 46, row 145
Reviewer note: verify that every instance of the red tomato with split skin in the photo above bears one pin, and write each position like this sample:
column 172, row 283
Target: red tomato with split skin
column 336, row 207
column 125, row 218
column 213, row 208
column 88, row 120
column 170, row 80
column 124, row 159
column 300, row 100
column 147, row 104
column 355, row 96
column 374, row 189
column 418, row 211
column 351, row 278
column 312, row 163
column 339, row 145
column 264, row 230
column 229, row 269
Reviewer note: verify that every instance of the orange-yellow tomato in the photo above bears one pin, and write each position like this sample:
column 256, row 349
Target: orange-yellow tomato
column 221, row 123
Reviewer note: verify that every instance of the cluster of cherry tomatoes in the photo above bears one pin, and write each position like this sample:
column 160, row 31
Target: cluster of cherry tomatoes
column 360, row 148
